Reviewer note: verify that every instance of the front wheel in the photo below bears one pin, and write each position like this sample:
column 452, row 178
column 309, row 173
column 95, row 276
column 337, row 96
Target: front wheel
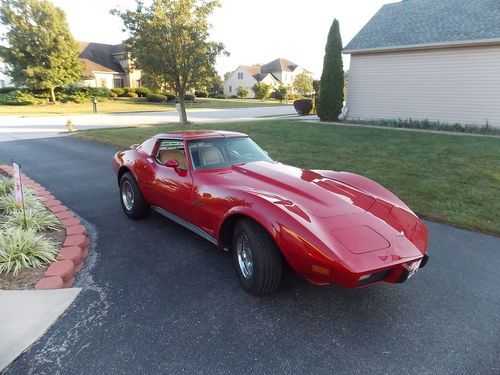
column 133, row 203
column 257, row 258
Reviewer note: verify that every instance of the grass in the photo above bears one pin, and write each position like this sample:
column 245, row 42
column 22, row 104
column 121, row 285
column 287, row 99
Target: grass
column 129, row 105
column 445, row 178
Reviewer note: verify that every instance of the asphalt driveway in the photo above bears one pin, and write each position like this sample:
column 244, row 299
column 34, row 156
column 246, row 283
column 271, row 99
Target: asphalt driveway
column 158, row 299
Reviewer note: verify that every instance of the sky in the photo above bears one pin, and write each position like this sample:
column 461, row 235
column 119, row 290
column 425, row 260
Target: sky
column 253, row 32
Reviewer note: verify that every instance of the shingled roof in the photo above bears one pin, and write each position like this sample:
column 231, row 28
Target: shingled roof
column 417, row 23
column 99, row 57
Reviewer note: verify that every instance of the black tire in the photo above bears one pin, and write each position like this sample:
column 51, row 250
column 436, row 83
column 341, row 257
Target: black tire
column 136, row 206
column 267, row 264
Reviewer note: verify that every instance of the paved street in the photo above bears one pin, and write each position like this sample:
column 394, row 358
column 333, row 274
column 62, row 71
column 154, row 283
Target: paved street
column 158, row 299
column 29, row 127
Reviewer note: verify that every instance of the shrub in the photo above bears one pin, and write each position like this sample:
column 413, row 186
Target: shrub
column 129, row 89
column 6, row 90
column 303, row 106
column 262, row 90
column 156, row 98
column 217, row 96
column 78, row 97
column 201, row 93
column 170, row 97
column 8, row 204
column 142, row 91
column 37, row 220
column 6, row 186
column 21, row 249
column 96, row 92
column 118, row 90
column 291, row 96
column 113, row 94
column 130, row 94
column 242, row 92
column 280, row 93
column 189, row 97
column 19, row 97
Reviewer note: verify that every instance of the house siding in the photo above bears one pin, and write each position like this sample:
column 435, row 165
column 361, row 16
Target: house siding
column 233, row 82
column 448, row 85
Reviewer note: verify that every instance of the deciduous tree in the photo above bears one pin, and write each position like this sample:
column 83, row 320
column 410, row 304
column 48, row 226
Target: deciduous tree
column 303, row 83
column 170, row 38
column 331, row 97
column 242, row 92
column 40, row 52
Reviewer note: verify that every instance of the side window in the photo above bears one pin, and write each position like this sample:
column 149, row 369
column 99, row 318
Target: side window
column 172, row 149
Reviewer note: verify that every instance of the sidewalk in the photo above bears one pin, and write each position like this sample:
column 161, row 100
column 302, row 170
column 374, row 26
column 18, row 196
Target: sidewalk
column 25, row 315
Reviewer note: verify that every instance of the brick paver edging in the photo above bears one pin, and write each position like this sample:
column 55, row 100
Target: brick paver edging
column 61, row 272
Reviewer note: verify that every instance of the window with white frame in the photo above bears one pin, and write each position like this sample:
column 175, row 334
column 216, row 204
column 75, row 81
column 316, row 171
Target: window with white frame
column 240, row 75
column 230, row 88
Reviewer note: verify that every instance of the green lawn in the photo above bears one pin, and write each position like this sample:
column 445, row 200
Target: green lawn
column 128, row 105
column 446, row 178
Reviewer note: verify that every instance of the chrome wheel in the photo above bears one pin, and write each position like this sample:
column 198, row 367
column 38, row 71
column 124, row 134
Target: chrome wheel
column 128, row 195
column 244, row 253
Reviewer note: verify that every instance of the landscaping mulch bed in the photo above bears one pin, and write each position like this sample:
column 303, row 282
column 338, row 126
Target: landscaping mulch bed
column 26, row 279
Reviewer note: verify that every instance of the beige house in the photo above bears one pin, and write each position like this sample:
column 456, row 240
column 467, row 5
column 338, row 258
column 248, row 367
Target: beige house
column 276, row 72
column 107, row 65
column 436, row 60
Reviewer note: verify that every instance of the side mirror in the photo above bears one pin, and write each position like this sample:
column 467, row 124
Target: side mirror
column 172, row 163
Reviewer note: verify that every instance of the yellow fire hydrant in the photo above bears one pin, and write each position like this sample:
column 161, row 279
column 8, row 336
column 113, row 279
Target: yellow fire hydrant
column 69, row 126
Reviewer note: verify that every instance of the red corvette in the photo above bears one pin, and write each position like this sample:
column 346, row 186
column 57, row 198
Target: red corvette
column 330, row 227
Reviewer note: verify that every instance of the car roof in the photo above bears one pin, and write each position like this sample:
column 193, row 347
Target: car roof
column 200, row 134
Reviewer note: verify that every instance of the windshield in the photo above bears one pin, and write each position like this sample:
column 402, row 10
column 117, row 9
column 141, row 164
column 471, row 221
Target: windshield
column 224, row 152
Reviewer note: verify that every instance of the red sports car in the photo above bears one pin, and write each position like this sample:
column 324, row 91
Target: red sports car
column 330, row 227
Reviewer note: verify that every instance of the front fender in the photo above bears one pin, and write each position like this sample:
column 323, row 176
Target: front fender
column 297, row 235
column 366, row 185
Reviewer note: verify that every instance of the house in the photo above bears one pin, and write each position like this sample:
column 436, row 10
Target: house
column 5, row 80
column 107, row 65
column 436, row 60
column 276, row 72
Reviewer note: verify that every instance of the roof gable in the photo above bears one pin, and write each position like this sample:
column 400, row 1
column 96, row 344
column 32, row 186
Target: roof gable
column 99, row 57
column 427, row 22
column 279, row 65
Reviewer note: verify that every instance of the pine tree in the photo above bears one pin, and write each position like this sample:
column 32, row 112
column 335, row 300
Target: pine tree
column 331, row 96
column 41, row 52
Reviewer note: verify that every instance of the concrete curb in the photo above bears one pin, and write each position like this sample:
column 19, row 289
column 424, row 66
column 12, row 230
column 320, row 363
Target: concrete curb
column 61, row 272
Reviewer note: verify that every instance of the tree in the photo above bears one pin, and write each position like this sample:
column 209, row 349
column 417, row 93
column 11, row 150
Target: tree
column 242, row 92
column 303, row 83
column 41, row 52
column 331, row 97
column 170, row 39
column 262, row 90
column 280, row 93
column 227, row 75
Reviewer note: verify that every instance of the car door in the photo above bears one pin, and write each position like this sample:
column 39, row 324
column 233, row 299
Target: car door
column 172, row 187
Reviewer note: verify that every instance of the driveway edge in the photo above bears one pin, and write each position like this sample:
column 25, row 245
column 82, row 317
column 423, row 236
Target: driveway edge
column 61, row 272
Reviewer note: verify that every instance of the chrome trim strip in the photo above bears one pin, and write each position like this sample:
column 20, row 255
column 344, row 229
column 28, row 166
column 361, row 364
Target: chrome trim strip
column 184, row 223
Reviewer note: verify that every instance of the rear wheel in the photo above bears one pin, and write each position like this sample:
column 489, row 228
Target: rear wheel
column 133, row 203
column 256, row 257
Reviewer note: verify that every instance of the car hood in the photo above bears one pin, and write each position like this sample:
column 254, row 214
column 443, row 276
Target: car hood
column 315, row 194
